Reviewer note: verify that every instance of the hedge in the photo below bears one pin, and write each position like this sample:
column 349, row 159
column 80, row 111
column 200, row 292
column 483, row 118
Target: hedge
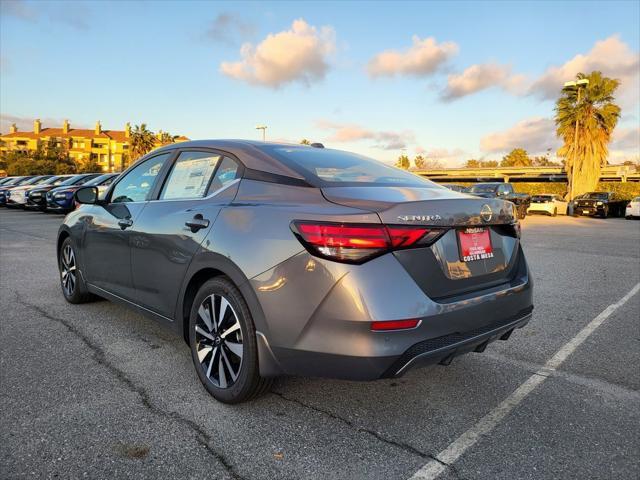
column 626, row 190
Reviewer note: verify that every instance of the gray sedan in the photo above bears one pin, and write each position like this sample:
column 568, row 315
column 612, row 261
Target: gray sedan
column 276, row 259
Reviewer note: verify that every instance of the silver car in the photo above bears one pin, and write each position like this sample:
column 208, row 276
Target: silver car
column 275, row 259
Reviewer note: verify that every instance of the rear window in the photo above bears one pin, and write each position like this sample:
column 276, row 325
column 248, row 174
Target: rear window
column 483, row 188
column 336, row 167
column 541, row 198
column 597, row 195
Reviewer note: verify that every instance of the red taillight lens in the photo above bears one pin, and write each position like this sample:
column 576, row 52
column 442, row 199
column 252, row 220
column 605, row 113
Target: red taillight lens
column 384, row 325
column 355, row 243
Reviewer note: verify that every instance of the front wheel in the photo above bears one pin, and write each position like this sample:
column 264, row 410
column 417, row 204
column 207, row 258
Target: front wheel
column 73, row 287
column 223, row 344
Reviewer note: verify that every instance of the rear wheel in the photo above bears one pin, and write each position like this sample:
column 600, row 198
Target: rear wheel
column 555, row 212
column 222, row 338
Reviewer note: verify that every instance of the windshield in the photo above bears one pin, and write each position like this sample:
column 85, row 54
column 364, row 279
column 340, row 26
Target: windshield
column 13, row 181
column 72, row 180
column 482, row 188
column 597, row 195
column 34, row 181
column 50, row 181
column 102, row 179
column 336, row 167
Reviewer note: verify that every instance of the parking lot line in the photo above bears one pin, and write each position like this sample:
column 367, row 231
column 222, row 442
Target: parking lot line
column 468, row 439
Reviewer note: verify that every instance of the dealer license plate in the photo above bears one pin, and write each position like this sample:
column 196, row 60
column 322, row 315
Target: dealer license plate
column 475, row 244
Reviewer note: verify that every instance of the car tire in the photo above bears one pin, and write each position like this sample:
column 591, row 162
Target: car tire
column 555, row 212
column 605, row 213
column 72, row 284
column 225, row 351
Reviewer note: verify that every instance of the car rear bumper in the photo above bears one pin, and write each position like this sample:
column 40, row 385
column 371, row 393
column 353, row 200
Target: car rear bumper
column 533, row 208
column 337, row 341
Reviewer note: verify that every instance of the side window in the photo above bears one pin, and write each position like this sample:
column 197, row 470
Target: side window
column 190, row 175
column 502, row 189
column 226, row 173
column 136, row 185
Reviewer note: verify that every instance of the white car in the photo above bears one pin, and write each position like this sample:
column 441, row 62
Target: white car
column 633, row 209
column 548, row 203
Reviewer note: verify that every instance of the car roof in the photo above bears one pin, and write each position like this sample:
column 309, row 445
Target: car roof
column 249, row 152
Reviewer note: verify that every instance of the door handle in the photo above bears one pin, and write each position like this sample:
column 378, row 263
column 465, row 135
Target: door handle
column 125, row 223
column 197, row 223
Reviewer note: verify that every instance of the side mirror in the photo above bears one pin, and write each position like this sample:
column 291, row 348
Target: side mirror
column 87, row 195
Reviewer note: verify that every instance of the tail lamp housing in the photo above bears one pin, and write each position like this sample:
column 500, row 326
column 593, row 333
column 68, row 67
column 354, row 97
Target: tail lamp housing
column 358, row 242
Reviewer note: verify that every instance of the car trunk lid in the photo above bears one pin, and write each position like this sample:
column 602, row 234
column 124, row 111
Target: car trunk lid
column 447, row 267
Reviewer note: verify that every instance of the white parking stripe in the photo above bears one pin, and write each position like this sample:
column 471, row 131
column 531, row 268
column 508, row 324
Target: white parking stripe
column 487, row 423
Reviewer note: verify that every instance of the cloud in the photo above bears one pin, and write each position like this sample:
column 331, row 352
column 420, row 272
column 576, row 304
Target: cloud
column 626, row 139
column 227, row 27
column 296, row 55
column 423, row 58
column 535, row 135
column 480, row 77
column 611, row 56
column 386, row 140
column 72, row 14
column 25, row 124
column 18, row 9
column 444, row 156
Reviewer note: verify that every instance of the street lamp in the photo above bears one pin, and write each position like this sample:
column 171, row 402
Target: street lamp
column 264, row 129
column 583, row 82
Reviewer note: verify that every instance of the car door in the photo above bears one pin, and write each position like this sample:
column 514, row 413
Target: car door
column 108, row 235
column 172, row 226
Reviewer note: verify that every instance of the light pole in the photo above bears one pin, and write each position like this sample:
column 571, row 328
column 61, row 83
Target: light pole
column 583, row 82
column 264, row 129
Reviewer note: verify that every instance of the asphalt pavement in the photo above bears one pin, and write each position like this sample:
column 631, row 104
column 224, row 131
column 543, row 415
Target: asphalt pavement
column 97, row 391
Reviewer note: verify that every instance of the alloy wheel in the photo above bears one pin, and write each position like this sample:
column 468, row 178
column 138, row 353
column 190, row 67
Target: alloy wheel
column 68, row 270
column 218, row 337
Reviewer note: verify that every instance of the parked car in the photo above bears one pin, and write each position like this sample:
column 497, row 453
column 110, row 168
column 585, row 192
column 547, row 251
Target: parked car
column 5, row 180
column 633, row 209
column 17, row 197
column 600, row 204
column 17, row 181
column 314, row 261
column 454, row 187
column 14, row 195
column 35, row 197
column 548, row 203
column 503, row 191
column 60, row 199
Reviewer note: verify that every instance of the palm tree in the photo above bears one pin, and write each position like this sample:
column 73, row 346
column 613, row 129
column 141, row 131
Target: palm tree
column 304, row 141
column 585, row 119
column 165, row 138
column 141, row 141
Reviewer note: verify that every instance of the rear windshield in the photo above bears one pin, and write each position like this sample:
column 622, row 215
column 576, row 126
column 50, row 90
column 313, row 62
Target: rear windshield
column 597, row 195
column 541, row 198
column 482, row 188
column 339, row 168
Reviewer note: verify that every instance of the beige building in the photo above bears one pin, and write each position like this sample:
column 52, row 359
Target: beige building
column 109, row 148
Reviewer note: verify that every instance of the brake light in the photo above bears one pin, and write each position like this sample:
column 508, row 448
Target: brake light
column 385, row 325
column 356, row 243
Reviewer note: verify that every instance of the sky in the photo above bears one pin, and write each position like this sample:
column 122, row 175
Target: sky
column 448, row 80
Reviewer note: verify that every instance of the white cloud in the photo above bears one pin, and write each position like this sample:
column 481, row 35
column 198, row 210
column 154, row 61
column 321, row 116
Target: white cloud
column 296, row 55
column 535, row 135
column 422, row 58
column 386, row 140
column 611, row 56
column 480, row 77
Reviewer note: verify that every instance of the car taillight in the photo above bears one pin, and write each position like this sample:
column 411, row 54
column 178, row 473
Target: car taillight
column 356, row 243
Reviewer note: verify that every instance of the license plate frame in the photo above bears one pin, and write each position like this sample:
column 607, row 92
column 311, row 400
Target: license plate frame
column 474, row 244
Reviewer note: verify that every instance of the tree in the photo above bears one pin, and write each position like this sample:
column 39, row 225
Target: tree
column 518, row 157
column 419, row 161
column 165, row 138
column 585, row 119
column 543, row 161
column 473, row 163
column 90, row 166
column 403, row 162
column 304, row 141
column 141, row 141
